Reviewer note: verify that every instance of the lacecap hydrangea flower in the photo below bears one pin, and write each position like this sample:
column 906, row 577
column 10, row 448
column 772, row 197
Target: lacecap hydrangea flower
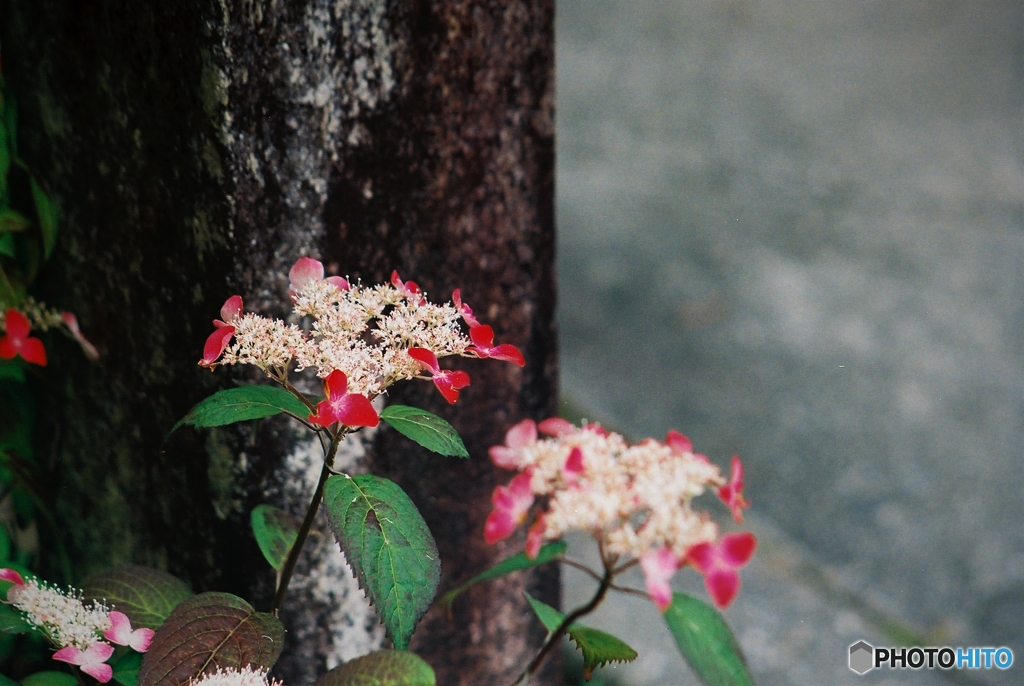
column 635, row 500
column 359, row 339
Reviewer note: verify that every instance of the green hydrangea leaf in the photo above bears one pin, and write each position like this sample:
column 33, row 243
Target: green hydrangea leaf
column 10, row 369
column 547, row 553
column 126, row 667
column 389, row 547
column 7, row 246
column 240, row 404
column 598, row 647
column 146, row 595
column 208, row 632
column 11, row 621
column 427, row 429
column 275, row 531
column 12, row 221
column 382, row 668
column 706, row 642
column 46, row 211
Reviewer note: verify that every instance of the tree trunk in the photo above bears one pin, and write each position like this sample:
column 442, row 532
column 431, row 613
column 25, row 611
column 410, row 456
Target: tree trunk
column 196, row 150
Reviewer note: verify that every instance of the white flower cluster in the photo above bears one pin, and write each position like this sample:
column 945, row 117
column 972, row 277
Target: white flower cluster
column 632, row 498
column 61, row 615
column 39, row 315
column 362, row 331
column 247, row 676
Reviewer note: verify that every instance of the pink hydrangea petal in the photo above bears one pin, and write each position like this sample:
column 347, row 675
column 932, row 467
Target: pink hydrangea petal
column 701, row 556
column 737, row 549
column 98, row 652
column 101, row 672
column 659, row 566
column 499, row 525
column 502, row 498
column 32, row 350
column 521, row 488
column 556, row 427
column 121, row 633
column 520, row 436
column 71, row 322
column 69, row 654
column 482, row 336
column 12, row 576
column 339, row 282
column 722, row 585
column 231, row 309
column 426, row 358
column 573, row 467
column 215, row 345
column 732, row 493
column 535, row 538
column 141, row 639
column 304, row 272
column 91, row 661
column 355, row 409
column 504, row 457
column 16, row 324
column 678, row 442
column 336, row 384
column 465, row 310
column 324, row 414
column 449, row 382
column 120, row 628
column 506, row 352
column 7, row 348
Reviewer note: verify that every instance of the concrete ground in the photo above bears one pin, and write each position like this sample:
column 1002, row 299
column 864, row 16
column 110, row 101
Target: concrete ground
column 795, row 231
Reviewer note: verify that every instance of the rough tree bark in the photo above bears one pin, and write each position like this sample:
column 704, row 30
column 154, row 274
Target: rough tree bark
column 197, row 148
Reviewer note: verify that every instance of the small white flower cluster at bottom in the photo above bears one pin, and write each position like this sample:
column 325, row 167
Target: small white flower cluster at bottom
column 77, row 629
column 247, row 676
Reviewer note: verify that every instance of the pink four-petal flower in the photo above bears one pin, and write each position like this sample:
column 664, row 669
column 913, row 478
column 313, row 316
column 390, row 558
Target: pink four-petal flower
column 223, row 330
column 719, row 562
column 483, row 346
column 351, row 409
column 92, row 661
column 465, row 310
column 307, row 271
column 448, row 381
column 659, row 566
column 71, row 322
column 511, row 503
column 520, row 436
column 410, row 288
column 681, row 445
column 120, row 632
column 16, row 340
column 732, row 493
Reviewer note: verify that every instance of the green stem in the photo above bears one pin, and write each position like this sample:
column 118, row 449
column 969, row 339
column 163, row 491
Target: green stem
column 307, row 523
column 563, row 628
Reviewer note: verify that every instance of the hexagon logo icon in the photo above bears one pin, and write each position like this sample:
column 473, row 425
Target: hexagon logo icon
column 861, row 657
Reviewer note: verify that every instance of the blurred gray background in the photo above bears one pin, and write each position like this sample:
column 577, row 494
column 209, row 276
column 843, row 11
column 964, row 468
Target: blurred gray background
column 795, row 231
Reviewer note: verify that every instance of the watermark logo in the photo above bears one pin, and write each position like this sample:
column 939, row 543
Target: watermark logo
column 864, row 657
